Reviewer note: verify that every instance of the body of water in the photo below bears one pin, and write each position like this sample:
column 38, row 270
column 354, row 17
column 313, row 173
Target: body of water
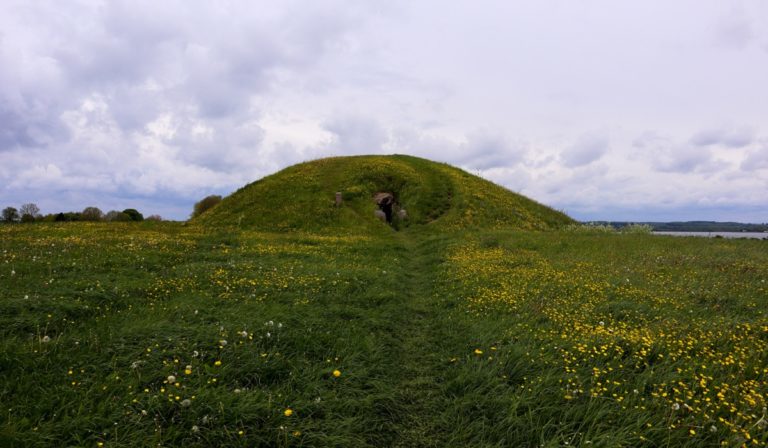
column 755, row 235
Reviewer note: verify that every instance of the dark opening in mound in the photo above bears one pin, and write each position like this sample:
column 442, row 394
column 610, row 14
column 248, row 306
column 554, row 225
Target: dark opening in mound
column 385, row 201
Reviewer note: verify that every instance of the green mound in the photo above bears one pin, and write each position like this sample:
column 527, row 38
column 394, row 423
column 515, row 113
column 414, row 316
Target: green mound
column 302, row 197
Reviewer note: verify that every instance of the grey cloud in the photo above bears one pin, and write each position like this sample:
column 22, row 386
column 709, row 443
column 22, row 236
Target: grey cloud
column 648, row 139
column 21, row 127
column 756, row 159
column 356, row 134
column 685, row 159
column 734, row 30
column 15, row 131
column 734, row 137
column 586, row 150
column 485, row 150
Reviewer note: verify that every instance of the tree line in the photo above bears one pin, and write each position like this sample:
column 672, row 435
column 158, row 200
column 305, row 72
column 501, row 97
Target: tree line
column 30, row 212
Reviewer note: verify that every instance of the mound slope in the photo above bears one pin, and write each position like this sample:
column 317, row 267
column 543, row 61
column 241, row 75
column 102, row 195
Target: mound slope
column 302, row 197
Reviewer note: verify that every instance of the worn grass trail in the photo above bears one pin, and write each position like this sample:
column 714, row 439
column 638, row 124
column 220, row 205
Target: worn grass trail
column 421, row 336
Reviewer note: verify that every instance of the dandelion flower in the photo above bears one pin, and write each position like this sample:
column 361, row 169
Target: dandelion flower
column 223, row 342
column 188, row 370
column 337, row 373
column 217, row 363
column 478, row 351
column 288, row 412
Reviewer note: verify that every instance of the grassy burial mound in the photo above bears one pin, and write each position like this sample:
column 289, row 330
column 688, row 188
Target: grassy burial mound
column 302, row 197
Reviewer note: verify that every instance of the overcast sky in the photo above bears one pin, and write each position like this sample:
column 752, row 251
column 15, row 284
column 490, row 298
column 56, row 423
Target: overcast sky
column 651, row 110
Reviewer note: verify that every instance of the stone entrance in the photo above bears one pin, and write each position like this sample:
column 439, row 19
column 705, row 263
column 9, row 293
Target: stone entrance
column 385, row 201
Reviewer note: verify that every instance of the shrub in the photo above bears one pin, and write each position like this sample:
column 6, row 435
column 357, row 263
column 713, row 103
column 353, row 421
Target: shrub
column 205, row 204
column 589, row 228
column 644, row 229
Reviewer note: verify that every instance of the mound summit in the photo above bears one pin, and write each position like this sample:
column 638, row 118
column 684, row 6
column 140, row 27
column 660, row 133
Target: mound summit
column 302, row 197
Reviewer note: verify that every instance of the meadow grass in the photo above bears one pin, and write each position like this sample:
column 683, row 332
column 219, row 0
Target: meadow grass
column 170, row 335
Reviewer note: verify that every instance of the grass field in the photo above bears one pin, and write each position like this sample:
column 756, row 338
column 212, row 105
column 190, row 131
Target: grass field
column 161, row 334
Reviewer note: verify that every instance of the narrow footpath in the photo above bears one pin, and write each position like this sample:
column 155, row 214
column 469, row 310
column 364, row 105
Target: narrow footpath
column 422, row 334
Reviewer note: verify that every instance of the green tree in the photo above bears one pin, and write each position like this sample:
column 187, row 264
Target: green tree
column 134, row 214
column 205, row 204
column 91, row 214
column 29, row 212
column 10, row 214
column 116, row 216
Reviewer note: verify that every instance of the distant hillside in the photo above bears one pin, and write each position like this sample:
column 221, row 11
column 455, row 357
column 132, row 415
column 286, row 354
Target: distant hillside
column 695, row 226
column 302, row 197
